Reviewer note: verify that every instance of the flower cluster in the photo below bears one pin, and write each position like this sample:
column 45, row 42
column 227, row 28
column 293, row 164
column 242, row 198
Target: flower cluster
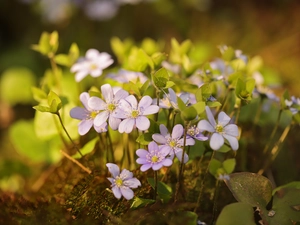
column 122, row 111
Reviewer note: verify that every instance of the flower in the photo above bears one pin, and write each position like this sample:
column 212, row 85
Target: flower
column 170, row 100
column 154, row 158
column 293, row 105
column 220, row 130
column 134, row 113
column 173, row 142
column 121, row 183
column 194, row 132
column 87, row 116
column 112, row 98
column 93, row 64
column 125, row 76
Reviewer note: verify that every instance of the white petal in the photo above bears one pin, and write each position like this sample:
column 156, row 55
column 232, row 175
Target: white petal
column 114, row 122
column 126, row 125
column 96, row 72
column 210, row 116
column 216, row 141
column 163, row 129
column 117, row 192
column 126, row 173
column 101, row 118
column 132, row 101
column 223, row 119
column 159, row 138
column 232, row 141
column 84, row 126
column 107, row 93
column 152, row 109
column 145, row 101
column 113, row 169
column 132, row 183
column 205, row 125
column 80, row 75
column 84, row 98
column 127, row 192
column 121, row 94
column 142, row 123
column 92, row 53
column 177, row 131
column 179, row 156
column 96, row 103
column 231, row 129
column 119, row 113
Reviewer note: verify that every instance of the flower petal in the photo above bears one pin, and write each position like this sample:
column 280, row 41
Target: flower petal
column 159, row 138
column 127, row 192
column 142, row 123
column 96, row 72
column 145, row 102
column 132, row 101
column 80, row 75
column 216, row 141
column 210, row 116
column 145, row 167
column 132, row 183
column 84, row 98
column 116, row 191
column 114, row 122
column 84, row 126
column 152, row 109
column 232, row 141
column 126, row 173
column 231, row 129
column 120, row 94
column 179, row 156
column 152, row 146
column 177, row 131
column 79, row 113
column 142, row 153
column 163, row 130
column 91, row 53
column 165, row 150
column 142, row 160
column 102, row 128
column 167, row 162
column 223, row 119
column 107, row 93
column 205, row 125
column 157, row 166
column 113, row 169
column 96, row 103
column 101, row 118
column 126, row 125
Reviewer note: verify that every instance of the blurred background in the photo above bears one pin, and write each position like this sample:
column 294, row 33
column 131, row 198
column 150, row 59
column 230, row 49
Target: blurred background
column 269, row 28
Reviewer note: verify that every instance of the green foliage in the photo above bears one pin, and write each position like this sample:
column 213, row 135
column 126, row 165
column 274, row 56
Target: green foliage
column 160, row 78
column 15, row 85
column 244, row 89
column 48, row 44
column 138, row 60
column 164, row 191
column 70, row 59
column 54, row 104
column 121, row 49
column 217, row 168
column 141, row 202
column 28, row 144
column 86, row 149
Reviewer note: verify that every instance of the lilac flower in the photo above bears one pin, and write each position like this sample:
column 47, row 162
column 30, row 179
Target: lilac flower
column 170, row 100
column 173, row 142
column 124, row 76
column 121, row 183
column 87, row 116
column 293, row 104
column 101, row 10
column 194, row 132
column 154, row 158
column 93, row 64
column 134, row 113
column 220, row 130
column 112, row 98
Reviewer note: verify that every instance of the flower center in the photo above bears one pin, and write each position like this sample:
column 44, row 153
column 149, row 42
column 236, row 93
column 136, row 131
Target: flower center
column 154, row 159
column 192, row 131
column 93, row 114
column 119, row 181
column 111, row 107
column 219, row 128
column 135, row 113
column 93, row 66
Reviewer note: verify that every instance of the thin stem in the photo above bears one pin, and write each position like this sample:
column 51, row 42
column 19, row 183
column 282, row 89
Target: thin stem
column 275, row 150
column 273, row 132
column 64, row 128
column 55, row 72
column 76, row 162
column 216, row 194
column 202, row 183
column 110, row 146
column 258, row 112
column 178, row 184
column 157, row 103
column 155, row 185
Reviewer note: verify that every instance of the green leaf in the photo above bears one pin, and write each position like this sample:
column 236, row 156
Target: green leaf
column 294, row 184
column 229, row 165
column 228, row 54
column 160, row 78
column 164, row 191
column 250, row 188
column 254, row 64
column 87, row 148
column 181, row 104
column 42, row 109
column 73, row 54
column 144, row 139
column 62, row 59
column 15, row 85
column 48, row 43
column 138, row 60
column 38, row 94
column 236, row 213
column 214, row 166
column 121, row 49
column 141, row 202
column 200, row 107
column 158, row 58
column 26, row 142
column 189, row 114
column 183, row 217
column 54, row 102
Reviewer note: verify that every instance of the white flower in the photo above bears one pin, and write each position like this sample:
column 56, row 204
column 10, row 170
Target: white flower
column 94, row 63
column 220, row 130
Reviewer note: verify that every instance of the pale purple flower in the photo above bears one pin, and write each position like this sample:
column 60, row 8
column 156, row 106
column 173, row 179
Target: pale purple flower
column 220, row 130
column 174, row 142
column 87, row 116
column 155, row 157
column 101, row 9
column 124, row 76
column 224, row 177
column 94, row 63
column 121, row 183
column 134, row 113
column 293, row 104
column 194, row 132
column 111, row 96
column 170, row 99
